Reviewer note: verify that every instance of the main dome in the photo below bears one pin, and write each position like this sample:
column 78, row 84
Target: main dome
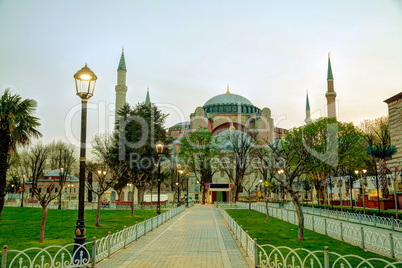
column 230, row 103
column 228, row 99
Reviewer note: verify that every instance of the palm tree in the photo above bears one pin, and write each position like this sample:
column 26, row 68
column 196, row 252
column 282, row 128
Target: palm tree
column 17, row 127
column 383, row 152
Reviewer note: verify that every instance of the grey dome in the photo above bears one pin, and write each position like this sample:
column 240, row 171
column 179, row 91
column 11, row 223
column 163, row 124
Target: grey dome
column 228, row 99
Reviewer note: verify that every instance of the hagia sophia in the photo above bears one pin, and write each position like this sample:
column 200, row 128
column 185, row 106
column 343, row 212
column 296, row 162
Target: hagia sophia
column 218, row 114
column 231, row 111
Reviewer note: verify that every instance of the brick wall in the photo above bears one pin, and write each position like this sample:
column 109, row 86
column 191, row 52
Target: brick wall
column 395, row 125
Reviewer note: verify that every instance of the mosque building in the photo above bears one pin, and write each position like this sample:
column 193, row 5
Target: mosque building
column 220, row 113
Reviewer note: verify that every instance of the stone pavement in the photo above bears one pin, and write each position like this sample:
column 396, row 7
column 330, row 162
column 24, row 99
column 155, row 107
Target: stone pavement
column 196, row 237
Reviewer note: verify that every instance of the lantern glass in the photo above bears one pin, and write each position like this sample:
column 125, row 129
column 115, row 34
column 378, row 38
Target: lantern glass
column 85, row 81
column 159, row 147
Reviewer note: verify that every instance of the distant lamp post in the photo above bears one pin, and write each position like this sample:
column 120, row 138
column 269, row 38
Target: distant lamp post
column 23, row 190
column 188, row 178
column 363, row 182
column 61, row 178
column 159, row 151
column 179, row 172
column 13, row 186
column 85, row 81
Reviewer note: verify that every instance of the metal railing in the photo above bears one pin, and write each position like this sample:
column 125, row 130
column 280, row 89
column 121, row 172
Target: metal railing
column 62, row 256
column 88, row 206
column 387, row 245
column 280, row 256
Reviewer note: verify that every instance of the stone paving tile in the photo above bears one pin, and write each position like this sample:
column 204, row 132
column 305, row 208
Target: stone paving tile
column 197, row 237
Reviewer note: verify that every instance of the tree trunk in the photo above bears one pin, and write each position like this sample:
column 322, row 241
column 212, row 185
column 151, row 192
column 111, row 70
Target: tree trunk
column 132, row 204
column 98, row 211
column 119, row 194
column 4, row 142
column 203, row 195
column 43, row 224
column 266, row 205
column 300, row 216
column 249, row 203
column 383, row 178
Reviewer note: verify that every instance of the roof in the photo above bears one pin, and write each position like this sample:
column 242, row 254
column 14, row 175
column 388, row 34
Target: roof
column 147, row 98
column 122, row 63
column 307, row 103
column 228, row 99
column 56, row 173
column 182, row 124
column 394, row 98
column 329, row 76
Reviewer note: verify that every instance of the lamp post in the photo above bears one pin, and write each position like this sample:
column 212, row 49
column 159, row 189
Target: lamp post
column 61, row 177
column 179, row 172
column 363, row 182
column 13, row 186
column 331, row 185
column 188, row 178
column 159, row 151
column 85, row 81
column 340, row 182
column 280, row 172
column 23, row 190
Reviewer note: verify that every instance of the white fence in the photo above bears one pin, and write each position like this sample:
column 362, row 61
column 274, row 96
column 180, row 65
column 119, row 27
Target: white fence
column 63, row 256
column 87, row 206
column 387, row 245
column 376, row 221
column 274, row 257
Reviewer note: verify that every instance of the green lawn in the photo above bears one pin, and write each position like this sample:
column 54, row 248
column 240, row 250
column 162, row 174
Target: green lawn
column 20, row 227
column 280, row 233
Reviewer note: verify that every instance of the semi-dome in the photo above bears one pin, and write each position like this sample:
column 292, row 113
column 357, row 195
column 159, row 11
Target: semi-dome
column 230, row 103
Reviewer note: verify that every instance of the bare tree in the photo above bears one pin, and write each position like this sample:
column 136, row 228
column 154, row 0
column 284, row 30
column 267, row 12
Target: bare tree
column 62, row 157
column 36, row 160
column 104, row 179
column 239, row 149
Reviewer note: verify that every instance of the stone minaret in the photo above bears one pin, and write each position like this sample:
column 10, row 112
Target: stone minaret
column 308, row 118
column 331, row 94
column 121, row 88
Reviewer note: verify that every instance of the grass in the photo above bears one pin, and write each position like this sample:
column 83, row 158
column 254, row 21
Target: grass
column 20, row 227
column 280, row 233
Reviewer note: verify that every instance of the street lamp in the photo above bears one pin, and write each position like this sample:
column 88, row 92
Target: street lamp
column 85, row 81
column 188, row 178
column 280, row 172
column 179, row 172
column 159, row 151
column 363, row 182
column 12, row 185
column 61, row 178
column 23, row 190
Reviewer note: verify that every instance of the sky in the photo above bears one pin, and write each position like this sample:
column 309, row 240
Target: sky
column 186, row 52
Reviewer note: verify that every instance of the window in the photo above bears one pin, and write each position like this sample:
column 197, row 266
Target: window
column 75, row 190
column 40, row 190
column 56, row 189
column 30, row 190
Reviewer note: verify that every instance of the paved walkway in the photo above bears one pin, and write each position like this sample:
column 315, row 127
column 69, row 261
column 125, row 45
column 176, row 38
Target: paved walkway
column 197, row 237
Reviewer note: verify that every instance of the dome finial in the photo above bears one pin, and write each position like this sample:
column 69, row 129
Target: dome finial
column 227, row 89
column 232, row 127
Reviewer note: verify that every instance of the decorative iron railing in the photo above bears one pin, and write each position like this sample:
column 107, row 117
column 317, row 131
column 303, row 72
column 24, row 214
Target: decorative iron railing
column 387, row 245
column 275, row 257
column 63, row 256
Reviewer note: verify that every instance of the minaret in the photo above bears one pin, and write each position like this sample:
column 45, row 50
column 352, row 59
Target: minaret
column 147, row 99
column 308, row 118
column 331, row 94
column 121, row 88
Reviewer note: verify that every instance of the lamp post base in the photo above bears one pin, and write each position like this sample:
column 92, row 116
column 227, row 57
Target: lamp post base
column 80, row 254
